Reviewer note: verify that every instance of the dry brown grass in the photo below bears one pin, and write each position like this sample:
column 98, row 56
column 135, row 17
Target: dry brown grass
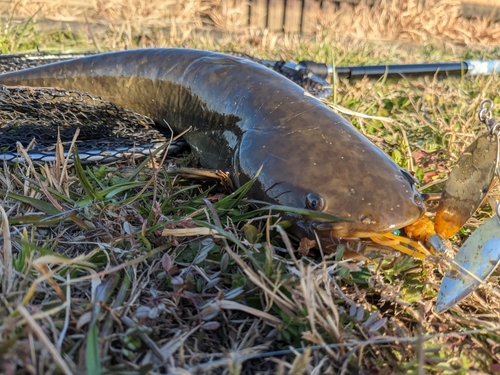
column 407, row 20
column 389, row 19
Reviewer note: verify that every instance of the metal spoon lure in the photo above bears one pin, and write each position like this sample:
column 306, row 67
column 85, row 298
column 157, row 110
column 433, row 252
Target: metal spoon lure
column 465, row 190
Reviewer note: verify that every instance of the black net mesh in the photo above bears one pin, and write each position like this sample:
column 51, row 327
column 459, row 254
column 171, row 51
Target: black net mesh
column 10, row 63
column 40, row 113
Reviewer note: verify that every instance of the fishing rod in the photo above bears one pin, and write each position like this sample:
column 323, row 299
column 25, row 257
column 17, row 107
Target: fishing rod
column 463, row 68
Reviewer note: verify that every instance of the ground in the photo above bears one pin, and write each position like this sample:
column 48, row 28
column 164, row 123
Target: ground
column 127, row 268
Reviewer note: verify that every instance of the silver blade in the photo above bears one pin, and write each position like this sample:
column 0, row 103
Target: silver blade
column 475, row 261
column 467, row 185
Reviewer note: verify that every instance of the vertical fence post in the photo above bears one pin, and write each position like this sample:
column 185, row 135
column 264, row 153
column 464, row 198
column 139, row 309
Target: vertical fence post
column 276, row 14
column 327, row 10
column 258, row 13
column 482, row 8
column 293, row 16
column 310, row 16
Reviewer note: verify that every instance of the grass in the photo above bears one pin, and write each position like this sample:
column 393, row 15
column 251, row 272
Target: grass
column 128, row 268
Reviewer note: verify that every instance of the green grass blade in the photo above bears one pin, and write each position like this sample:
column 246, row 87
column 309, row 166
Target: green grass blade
column 45, row 207
column 82, row 177
column 92, row 359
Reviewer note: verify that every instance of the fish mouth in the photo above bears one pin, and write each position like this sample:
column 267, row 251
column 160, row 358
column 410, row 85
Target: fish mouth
column 360, row 229
column 352, row 230
column 346, row 230
column 371, row 221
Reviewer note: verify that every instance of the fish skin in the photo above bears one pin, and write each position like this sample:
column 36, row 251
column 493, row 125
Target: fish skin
column 244, row 117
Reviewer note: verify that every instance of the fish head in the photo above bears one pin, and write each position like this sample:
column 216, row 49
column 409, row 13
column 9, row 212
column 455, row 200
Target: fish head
column 333, row 170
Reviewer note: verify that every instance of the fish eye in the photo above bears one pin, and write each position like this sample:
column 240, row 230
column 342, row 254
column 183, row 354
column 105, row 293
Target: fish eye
column 315, row 202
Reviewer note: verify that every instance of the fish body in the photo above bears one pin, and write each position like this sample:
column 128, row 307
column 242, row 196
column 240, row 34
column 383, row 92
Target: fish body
column 245, row 117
